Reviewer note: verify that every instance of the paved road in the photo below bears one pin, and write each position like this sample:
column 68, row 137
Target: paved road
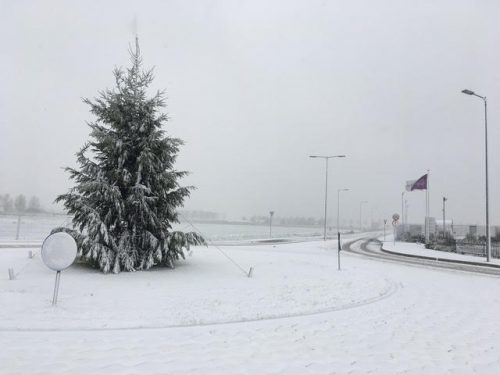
column 371, row 248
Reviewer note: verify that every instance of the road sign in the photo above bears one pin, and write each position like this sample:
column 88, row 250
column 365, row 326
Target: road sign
column 395, row 219
column 58, row 253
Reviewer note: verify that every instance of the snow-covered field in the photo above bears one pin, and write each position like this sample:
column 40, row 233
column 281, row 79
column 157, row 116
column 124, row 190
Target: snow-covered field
column 296, row 315
column 37, row 227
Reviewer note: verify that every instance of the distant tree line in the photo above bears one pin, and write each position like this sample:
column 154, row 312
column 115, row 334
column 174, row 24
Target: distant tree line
column 19, row 204
column 200, row 215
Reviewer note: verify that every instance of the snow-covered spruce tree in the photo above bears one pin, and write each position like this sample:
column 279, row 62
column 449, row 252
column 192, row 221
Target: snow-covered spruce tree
column 126, row 188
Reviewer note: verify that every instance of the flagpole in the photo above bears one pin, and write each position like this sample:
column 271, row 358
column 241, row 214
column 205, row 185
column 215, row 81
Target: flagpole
column 420, row 184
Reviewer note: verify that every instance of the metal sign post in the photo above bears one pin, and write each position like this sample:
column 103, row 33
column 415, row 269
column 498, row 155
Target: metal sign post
column 56, row 288
column 395, row 220
column 18, row 227
column 58, row 253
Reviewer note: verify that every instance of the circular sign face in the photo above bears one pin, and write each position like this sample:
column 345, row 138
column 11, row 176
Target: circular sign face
column 58, row 251
column 395, row 217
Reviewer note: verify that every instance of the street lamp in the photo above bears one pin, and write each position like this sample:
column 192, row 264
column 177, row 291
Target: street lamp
column 271, row 213
column 444, row 217
column 360, row 210
column 338, row 208
column 326, row 181
column 403, row 211
column 488, row 238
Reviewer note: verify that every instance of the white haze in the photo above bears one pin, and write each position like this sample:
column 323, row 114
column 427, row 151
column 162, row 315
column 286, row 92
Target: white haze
column 254, row 87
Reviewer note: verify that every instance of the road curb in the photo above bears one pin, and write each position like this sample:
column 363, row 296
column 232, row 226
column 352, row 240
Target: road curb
column 20, row 246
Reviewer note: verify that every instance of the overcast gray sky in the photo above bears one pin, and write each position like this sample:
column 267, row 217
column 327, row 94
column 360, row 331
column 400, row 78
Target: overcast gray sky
column 254, row 87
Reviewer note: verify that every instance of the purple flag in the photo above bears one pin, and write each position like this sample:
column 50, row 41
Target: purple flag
column 420, row 184
column 409, row 184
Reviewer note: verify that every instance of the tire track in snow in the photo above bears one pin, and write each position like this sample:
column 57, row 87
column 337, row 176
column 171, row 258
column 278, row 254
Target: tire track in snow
column 391, row 288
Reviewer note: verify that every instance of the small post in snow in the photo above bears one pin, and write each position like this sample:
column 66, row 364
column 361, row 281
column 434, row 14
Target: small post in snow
column 12, row 275
column 250, row 272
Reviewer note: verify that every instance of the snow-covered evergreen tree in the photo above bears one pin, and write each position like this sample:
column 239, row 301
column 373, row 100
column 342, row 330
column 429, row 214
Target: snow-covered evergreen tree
column 126, row 188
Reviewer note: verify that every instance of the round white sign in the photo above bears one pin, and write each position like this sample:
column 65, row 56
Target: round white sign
column 59, row 251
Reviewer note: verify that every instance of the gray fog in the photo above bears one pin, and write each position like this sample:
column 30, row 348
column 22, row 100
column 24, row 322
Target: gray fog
column 254, row 87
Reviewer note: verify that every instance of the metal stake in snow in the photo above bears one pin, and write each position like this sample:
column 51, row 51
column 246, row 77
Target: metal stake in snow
column 250, row 271
column 58, row 253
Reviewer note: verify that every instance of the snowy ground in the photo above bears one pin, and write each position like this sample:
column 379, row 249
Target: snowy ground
column 419, row 249
column 296, row 315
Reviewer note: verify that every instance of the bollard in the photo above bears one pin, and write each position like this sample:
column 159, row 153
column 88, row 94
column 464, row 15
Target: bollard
column 12, row 275
column 30, row 254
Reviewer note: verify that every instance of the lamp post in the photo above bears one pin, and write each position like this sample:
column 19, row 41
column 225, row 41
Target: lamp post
column 360, row 215
column 326, row 182
column 444, row 217
column 338, row 208
column 488, row 238
column 403, row 210
column 271, row 213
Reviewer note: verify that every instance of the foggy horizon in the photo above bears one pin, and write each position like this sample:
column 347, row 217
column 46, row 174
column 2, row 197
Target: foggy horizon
column 254, row 88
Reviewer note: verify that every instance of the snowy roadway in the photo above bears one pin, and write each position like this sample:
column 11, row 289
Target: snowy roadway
column 302, row 316
column 413, row 254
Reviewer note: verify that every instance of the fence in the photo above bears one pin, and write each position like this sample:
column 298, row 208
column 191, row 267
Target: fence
column 478, row 249
column 30, row 227
column 462, row 239
column 458, row 231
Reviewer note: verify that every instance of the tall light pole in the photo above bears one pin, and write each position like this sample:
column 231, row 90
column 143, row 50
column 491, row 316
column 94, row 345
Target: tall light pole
column 338, row 208
column 271, row 213
column 326, row 182
column 360, row 215
column 403, row 211
column 488, row 238
column 444, row 216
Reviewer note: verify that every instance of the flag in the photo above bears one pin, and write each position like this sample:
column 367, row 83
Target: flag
column 420, row 184
column 409, row 184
